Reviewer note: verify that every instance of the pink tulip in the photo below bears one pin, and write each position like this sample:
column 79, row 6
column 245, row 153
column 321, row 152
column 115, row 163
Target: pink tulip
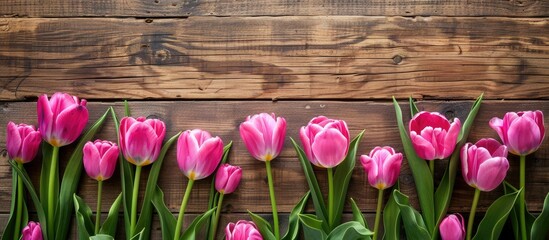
column 325, row 141
column 452, row 227
column 521, row 132
column 22, row 142
column 62, row 118
column 227, row 178
column 484, row 165
column 433, row 136
column 242, row 230
column 383, row 166
column 263, row 135
column 100, row 159
column 198, row 153
column 32, row 232
column 141, row 139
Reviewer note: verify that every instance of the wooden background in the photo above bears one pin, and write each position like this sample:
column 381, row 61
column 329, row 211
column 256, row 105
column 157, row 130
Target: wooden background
column 208, row 64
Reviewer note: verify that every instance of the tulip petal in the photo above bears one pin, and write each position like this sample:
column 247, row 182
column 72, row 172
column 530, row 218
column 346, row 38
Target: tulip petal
column 209, row 155
column 253, row 139
column 30, row 146
column 329, row 147
column 91, row 158
column 491, row 173
column 70, row 123
column 140, row 142
column 45, row 116
column 13, row 140
column 524, row 136
column 423, row 147
column 279, row 133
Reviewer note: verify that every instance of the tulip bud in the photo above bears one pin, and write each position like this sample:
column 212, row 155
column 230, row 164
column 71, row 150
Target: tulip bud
column 521, row 132
column 32, row 232
column 452, row 227
column 263, row 134
column 100, row 159
column 325, row 141
column 198, row 153
column 242, row 230
column 227, row 178
column 383, row 166
column 141, row 139
column 62, row 118
column 22, row 142
column 433, row 136
column 484, row 165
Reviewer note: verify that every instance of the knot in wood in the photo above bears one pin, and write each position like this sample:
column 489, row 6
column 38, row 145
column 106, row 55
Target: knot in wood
column 397, row 59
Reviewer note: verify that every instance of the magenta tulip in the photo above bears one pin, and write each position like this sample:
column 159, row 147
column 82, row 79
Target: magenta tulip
column 198, row 153
column 484, row 165
column 100, row 159
column 227, row 178
column 62, row 118
column 325, row 141
column 433, row 136
column 521, row 132
column 263, row 134
column 32, row 232
column 383, row 167
column 141, row 139
column 22, row 142
column 242, row 230
column 452, row 227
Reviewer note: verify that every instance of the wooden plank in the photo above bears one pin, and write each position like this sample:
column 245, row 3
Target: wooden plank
column 172, row 8
column 276, row 58
column 223, row 117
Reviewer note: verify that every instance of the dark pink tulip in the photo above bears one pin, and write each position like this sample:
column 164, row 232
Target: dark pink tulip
column 22, row 142
column 452, row 227
column 383, row 166
column 198, row 153
column 325, row 141
column 61, row 119
column 227, row 178
column 521, row 132
column 242, row 230
column 100, row 159
column 141, row 139
column 32, row 232
column 263, row 134
column 433, row 136
column 484, row 165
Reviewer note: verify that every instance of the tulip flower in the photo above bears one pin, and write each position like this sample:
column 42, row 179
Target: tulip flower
column 451, row 227
column 22, row 142
column 242, row 230
column 226, row 180
column 484, row 165
column 325, row 141
column 141, row 139
column 263, row 134
column 62, row 118
column 32, row 232
column 433, row 136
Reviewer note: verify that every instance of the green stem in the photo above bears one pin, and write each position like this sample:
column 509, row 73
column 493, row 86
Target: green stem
column 98, row 211
column 432, row 168
column 179, row 225
column 472, row 214
column 135, row 194
column 51, row 187
column 19, row 211
column 330, row 197
column 216, row 217
column 273, row 199
column 522, row 201
column 378, row 212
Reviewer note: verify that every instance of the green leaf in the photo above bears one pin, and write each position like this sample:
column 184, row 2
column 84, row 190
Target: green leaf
column 263, row 226
column 293, row 222
column 167, row 220
column 84, row 224
column 102, row 237
column 539, row 228
column 312, row 227
column 109, row 226
column 413, row 222
column 391, row 219
column 357, row 214
column 198, row 222
column 490, row 226
column 350, row 231
column 413, row 107
column 213, row 197
column 47, row 153
column 420, row 171
column 342, row 177
column 138, row 236
column 9, row 231
column 514, row 214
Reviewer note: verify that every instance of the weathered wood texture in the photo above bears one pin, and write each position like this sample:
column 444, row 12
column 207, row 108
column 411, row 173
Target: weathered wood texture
column 328, row 57
column 223, row 117
column 174, row 8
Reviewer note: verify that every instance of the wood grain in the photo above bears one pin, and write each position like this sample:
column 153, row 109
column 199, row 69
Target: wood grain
column 223, row 117
column 185, row 8
column 328, row 57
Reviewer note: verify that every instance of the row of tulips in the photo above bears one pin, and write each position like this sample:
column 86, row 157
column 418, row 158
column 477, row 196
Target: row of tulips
column 325, row 143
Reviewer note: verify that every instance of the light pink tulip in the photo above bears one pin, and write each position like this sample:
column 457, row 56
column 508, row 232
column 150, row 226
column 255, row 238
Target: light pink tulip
column 32, row 232
column 22, row 142
column 198, row 153
column 433, row 136
column 263, row 134
column 62, row 118
column 325, row 141
column 521, row 132
column 141, row 139
column 452, row 227
column 383, row 166
column 484, row 165
column 227, row 178
column 100, row 159
column 242, row 230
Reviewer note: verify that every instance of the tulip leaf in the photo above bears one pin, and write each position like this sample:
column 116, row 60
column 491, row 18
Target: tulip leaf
column 420, row 171
column 9, row 231
column 312, row 227
column 391, row 219
column 109, row 226
column 213, row 197
column 357, row 214
column 293, row 222
column 342, row 177
column 413, row 107
column 350, row 231
column 539, row 228
column 263, row 226
column 491, row 225
column 514, row 214
column 84, row 224
column 47, row 155
column 196, row 225
column 413, row 221
column 138, row 236
column 101, row 237
column 167, row 220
